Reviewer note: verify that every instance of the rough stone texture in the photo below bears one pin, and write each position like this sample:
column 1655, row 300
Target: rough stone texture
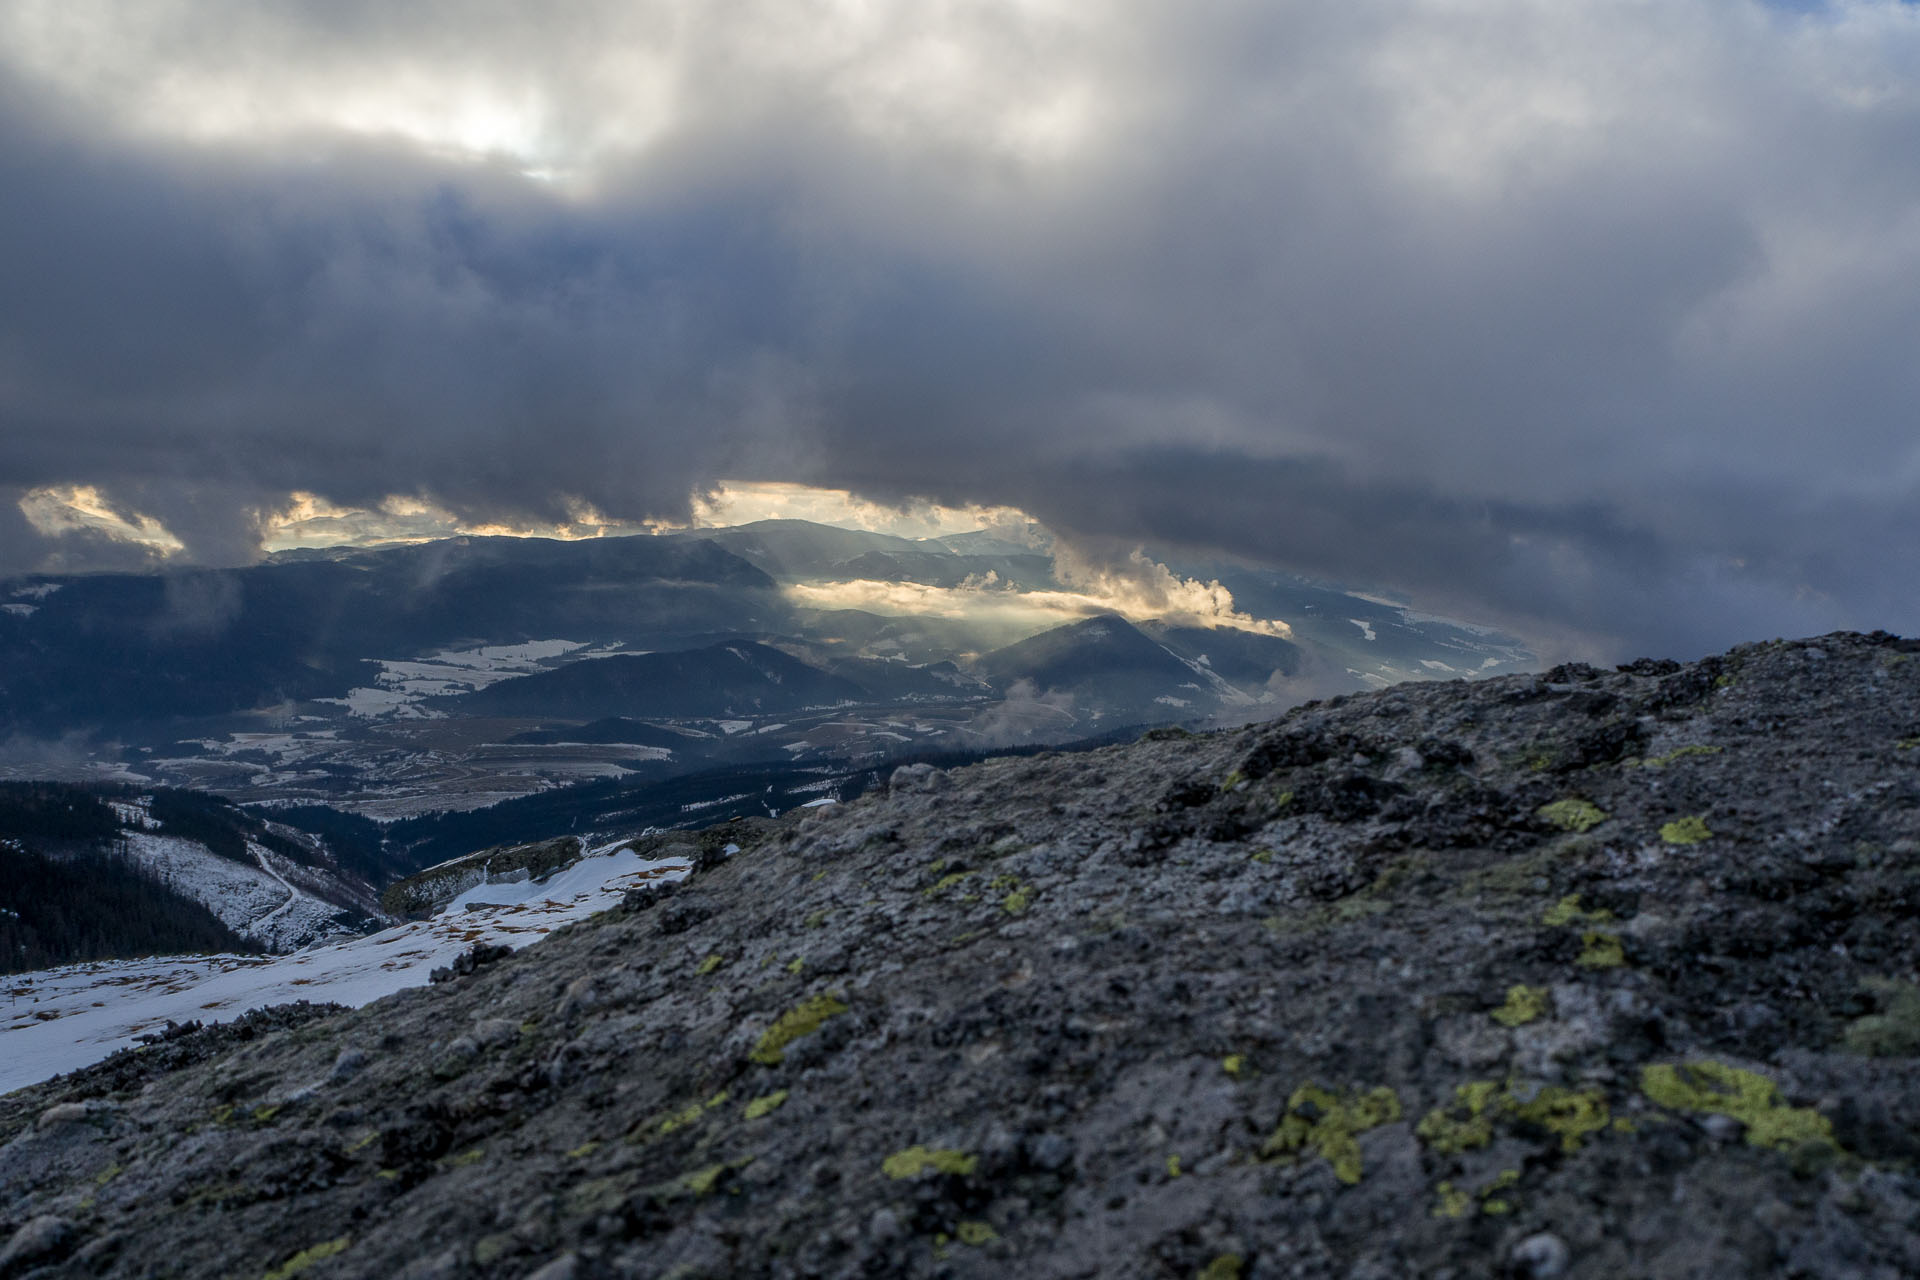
column 1218, row 1005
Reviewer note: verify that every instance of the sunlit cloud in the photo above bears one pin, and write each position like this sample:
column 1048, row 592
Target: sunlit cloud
column 309, row 521
column 59, row 510
column 736, row 502
column 1141, row 589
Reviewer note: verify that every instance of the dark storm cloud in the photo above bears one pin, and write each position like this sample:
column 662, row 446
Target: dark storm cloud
column 1595, row 320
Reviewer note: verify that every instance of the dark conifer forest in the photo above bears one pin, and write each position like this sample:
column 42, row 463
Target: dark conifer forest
column 96, row 905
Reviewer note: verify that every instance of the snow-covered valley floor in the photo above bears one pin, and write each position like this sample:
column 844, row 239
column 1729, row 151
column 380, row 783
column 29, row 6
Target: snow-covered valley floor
column 56, row 1020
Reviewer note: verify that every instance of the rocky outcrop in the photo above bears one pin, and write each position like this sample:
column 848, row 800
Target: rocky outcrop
column 428, row 891
column 1590, row 974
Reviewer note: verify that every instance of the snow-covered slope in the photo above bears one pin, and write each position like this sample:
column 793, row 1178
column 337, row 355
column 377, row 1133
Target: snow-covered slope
column 61, row 1019
column 258, row 902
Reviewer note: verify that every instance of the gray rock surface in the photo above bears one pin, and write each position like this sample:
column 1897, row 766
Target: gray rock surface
column 1616, row 979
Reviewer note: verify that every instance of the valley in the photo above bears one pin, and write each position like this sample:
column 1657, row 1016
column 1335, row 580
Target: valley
column 395, row 682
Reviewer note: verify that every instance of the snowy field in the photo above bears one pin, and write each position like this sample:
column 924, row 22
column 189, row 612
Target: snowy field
column 401, row 687
column 62, row 1019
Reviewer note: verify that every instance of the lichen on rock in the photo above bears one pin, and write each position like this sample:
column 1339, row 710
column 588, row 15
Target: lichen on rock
column 1329, row 1124
column 1573, row 814
column 916, row 1160
column 1707, row 1087
column 1523, row 1004
column 803, row 1019
column 1691, row 829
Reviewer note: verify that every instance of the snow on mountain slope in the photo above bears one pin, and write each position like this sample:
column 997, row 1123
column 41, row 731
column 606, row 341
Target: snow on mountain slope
column 257, row 902
column 62, row 1019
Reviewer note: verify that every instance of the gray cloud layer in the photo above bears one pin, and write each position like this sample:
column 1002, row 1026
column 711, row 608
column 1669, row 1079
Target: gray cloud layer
column 1595, row 318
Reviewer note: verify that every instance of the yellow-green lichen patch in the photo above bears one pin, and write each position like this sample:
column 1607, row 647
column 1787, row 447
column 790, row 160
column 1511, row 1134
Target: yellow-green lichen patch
column 1451, row 1201
column 1479, row 1105
column 1573, row 814
column 682, row 1118
column 1018, row 896
column 796, row 964
column 946, row 882
column 1233, row 1064
column 1894, row 1032
column 1468, row 1123
column 306, row 1258
column 803, row 1019
column 1225, row 1267
column 1681, row 753
column 1713, row 1088
column 264, row 1114
column 1173, row 1166
column 917, row 1160
column 1492, row 1202
column 1524, row 1004
column 1907, row 744
column 711, row 963
column 464, row 1159
column 1569, row 1114
column 767, row 1105
column 703, row 1181
column 1263, row 857
column 1569, row 911
column 1330, row 1124
column 1233, row 781
column 1691, row 829
column 817, row 920
column 976, row 1233
column 584, row 1150
column 1600, row 950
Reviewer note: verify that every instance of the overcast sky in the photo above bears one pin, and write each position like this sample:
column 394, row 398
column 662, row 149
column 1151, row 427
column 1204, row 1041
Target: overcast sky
column 1596, row 317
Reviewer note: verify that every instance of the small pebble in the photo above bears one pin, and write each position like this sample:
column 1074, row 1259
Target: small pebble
column 349, row 1063
column 1541, row 1256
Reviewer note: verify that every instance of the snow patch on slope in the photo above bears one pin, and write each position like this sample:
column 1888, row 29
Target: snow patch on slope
column 66, row 1018
column 256, row 902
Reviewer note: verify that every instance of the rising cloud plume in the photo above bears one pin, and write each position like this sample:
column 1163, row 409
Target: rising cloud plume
column 1593, row 319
